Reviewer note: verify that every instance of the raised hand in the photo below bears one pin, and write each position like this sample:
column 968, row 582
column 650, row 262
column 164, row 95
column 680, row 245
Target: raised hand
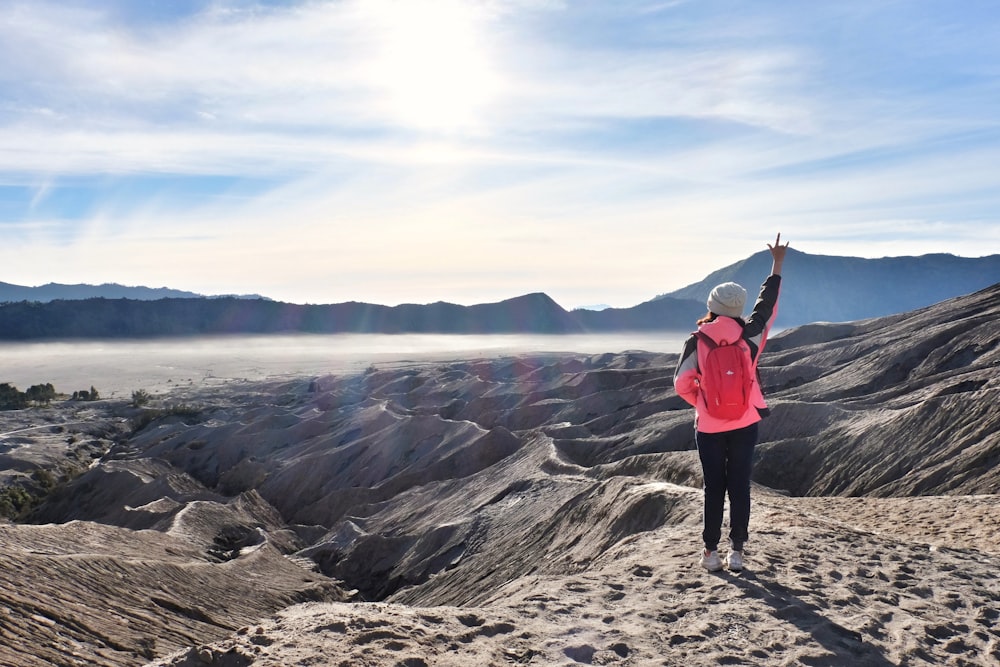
column 777, row 254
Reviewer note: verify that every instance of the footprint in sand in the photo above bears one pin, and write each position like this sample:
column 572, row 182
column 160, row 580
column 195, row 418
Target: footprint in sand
column 412, row 662
column 584, row 654
column 643, row 571
column 617, row 593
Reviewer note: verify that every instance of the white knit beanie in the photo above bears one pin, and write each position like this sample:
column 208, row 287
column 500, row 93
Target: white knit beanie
column 727, row 299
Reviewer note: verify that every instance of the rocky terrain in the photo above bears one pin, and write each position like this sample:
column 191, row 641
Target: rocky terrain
column 539, row 510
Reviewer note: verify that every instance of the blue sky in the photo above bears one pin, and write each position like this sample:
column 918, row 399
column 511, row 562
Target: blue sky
column 474, row 150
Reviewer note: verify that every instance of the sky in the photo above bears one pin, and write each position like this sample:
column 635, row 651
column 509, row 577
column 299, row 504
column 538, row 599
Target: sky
column 470, row 151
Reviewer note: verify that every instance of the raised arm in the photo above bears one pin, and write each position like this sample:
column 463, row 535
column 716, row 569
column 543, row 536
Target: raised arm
column 766, row 307
column 777, row 255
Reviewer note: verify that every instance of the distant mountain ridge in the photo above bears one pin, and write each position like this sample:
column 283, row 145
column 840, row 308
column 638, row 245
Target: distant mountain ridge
column 816, row 288
column 56, row 291
column 667, row 314
column 129, row 318
column 825, row 288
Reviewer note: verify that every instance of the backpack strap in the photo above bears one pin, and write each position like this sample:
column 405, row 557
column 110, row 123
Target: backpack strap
column 705, row 338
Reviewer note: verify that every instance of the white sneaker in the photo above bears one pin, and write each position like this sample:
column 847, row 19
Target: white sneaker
column 710, row 560
column 735, row 560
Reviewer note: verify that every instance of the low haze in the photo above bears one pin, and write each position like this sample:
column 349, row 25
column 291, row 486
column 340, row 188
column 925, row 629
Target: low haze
column 471, row 151
column 120, row 367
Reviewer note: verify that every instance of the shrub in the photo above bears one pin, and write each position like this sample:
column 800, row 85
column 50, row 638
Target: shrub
column 140, row 397
column 188, row 413
column 41, row 393
column 14, row 500
column 11, row 398
column 45, row 479
column 84, row 395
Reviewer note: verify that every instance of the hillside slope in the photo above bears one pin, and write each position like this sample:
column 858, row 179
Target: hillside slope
column 894, row 406
column 822, row 288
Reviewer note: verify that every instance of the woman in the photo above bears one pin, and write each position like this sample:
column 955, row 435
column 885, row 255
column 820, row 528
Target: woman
column 725, row 446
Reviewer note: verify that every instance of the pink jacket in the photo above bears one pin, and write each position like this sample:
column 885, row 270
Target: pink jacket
column 687, row 375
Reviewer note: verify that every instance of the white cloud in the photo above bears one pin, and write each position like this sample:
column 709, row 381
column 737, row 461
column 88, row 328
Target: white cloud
column 446, row 149
column 323, row 69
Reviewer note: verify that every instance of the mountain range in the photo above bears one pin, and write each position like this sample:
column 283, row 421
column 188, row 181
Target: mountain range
column 56, row 291
column 816, row 288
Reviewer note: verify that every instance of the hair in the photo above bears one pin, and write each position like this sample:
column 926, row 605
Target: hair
column 710, row 317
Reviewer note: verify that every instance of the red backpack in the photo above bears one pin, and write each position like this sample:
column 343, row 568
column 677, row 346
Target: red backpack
column 726, row 377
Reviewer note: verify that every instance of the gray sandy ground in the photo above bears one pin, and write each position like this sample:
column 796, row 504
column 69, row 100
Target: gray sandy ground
column 814, row 593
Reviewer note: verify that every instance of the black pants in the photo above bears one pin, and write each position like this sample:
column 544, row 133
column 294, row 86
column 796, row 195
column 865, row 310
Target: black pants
column 726, row 462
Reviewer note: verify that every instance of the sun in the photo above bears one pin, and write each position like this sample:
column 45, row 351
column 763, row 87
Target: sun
column 431, row 67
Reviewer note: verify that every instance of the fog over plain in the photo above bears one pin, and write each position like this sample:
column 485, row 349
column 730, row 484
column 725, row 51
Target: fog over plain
column 118, row 367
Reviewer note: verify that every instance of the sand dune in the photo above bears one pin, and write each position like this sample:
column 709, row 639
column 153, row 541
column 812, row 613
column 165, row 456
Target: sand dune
column 538, row 510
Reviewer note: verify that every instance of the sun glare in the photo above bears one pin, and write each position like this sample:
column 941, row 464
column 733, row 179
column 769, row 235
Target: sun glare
column 431, row 65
